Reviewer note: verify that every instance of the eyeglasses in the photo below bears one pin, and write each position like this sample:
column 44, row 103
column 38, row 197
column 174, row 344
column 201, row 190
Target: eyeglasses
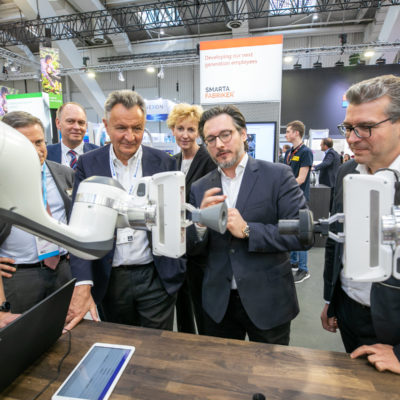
column 361, row 131
column 224, row 137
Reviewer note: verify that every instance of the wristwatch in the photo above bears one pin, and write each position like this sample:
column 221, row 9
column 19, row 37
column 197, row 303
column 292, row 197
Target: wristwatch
column 5, row 306
column 246, row 232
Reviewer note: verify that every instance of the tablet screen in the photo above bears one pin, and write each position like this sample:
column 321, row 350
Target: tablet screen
column 96, row 375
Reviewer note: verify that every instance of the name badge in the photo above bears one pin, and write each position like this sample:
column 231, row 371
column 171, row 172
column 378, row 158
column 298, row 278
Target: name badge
column 46, row 249
column 295, row 158
column 124, row 235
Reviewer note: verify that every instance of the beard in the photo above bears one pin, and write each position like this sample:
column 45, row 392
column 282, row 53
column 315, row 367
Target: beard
column 237, row 155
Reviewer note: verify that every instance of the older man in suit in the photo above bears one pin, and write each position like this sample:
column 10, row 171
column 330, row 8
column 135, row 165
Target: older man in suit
column 248, row 285
column 130, row 285
column 32, row 268
column 71, row 120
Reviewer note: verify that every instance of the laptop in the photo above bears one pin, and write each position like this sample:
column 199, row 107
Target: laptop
column 34, row 332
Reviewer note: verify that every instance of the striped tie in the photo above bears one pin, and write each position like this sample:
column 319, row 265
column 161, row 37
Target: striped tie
column 73, row 160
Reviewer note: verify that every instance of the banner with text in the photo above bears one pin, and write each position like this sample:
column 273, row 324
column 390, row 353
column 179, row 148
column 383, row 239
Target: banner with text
column 51, row 80
column 241, row 70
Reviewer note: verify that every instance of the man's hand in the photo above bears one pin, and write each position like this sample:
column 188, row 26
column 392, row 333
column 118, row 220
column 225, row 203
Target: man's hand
column 81, row 303
column 330, row 324
column 6, row 318
column 381, row 356
column 210, row 198
column 236, row 223
column 5, row 270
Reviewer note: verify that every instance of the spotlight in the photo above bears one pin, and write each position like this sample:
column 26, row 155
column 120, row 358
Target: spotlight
column 150, row 70
column 339, row 63
column 91, row 74
column 315, row 17
column 162, row 32
column 121, row 77
column 297, row 65
column 369, row 53
column 288, row 59
column 380, row 61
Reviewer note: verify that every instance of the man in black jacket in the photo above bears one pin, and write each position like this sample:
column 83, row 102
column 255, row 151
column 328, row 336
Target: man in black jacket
column 366, row 314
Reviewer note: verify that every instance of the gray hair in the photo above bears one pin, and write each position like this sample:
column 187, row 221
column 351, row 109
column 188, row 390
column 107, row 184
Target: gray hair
column 21, row 119
column 127, row 98
column 375, row 88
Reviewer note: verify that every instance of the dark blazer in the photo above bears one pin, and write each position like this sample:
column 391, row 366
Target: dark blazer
column 385, row 301
column 261, row 266
column 328, row 168
column 201, row 165
column 54, row 151
column 64, row 180
column 97, row 162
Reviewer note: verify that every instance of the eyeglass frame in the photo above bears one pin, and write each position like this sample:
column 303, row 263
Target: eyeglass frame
column 214, row 138
column 354, row 128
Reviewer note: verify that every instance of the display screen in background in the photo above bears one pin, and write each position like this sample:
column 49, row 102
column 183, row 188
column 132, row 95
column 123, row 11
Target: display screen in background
column 261, row 140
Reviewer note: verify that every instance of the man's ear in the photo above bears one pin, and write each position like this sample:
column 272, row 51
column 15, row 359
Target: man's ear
column 58, row 125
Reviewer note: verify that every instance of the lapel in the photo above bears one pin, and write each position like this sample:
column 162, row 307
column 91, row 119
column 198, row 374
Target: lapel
column 195, row 163
column 178, row 158
column 150, row 163
column 249, row 180
column 58, row 153
column 101, row 162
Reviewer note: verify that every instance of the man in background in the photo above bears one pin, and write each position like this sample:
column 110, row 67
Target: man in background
column 71, row 121
column 32, row 268
column 366, row 314
column 300, row 159
column 329, row 166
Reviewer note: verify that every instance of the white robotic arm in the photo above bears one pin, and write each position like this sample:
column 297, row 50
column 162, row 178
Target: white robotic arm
column 157, row 204
column 371, row 227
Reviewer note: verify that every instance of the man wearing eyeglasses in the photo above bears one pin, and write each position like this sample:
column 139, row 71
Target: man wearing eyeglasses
column 248, row 285
column 366, row 314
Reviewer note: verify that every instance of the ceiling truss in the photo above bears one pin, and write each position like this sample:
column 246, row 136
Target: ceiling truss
column 167, row 14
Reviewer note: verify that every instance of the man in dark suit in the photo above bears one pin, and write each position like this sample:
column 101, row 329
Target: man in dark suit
column 71, row 120
column 366, row 314
column 248, row 285
column 32, row 268
column 329, row 166
column 130, row 285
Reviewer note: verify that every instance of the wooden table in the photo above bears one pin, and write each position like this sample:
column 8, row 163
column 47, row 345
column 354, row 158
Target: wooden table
column 170, row 365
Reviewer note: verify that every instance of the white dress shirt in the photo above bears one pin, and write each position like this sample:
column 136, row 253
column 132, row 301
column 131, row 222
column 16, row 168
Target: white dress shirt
column 361, row 291
column 21, row 245
column 137, row 250
column 65, row 157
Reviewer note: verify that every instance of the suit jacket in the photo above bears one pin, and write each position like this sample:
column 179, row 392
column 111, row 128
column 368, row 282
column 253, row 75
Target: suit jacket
column 97, row 162
column 54, row 151
column 201, row 165
column 64, row 180
column 328, row 168
column 261, row 266
column 385, row 301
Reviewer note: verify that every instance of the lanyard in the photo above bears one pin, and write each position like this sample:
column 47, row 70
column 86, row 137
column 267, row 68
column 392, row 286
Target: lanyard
column 44, row 185
column 293, row 152
column 115, row 175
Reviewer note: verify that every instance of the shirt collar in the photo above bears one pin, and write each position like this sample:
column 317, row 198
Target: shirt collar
column 78, row 149
column 240, row 167
column 363, row 169
column 118, row 163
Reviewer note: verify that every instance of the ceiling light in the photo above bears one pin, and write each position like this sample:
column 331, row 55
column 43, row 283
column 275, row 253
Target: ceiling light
column 315, row 17
column 369, row 53
column 121, row 77
column 297, row 65
column 91, row 74
column 288, row 59
column 150, row 70
column 317, row 64
column 162, row 32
